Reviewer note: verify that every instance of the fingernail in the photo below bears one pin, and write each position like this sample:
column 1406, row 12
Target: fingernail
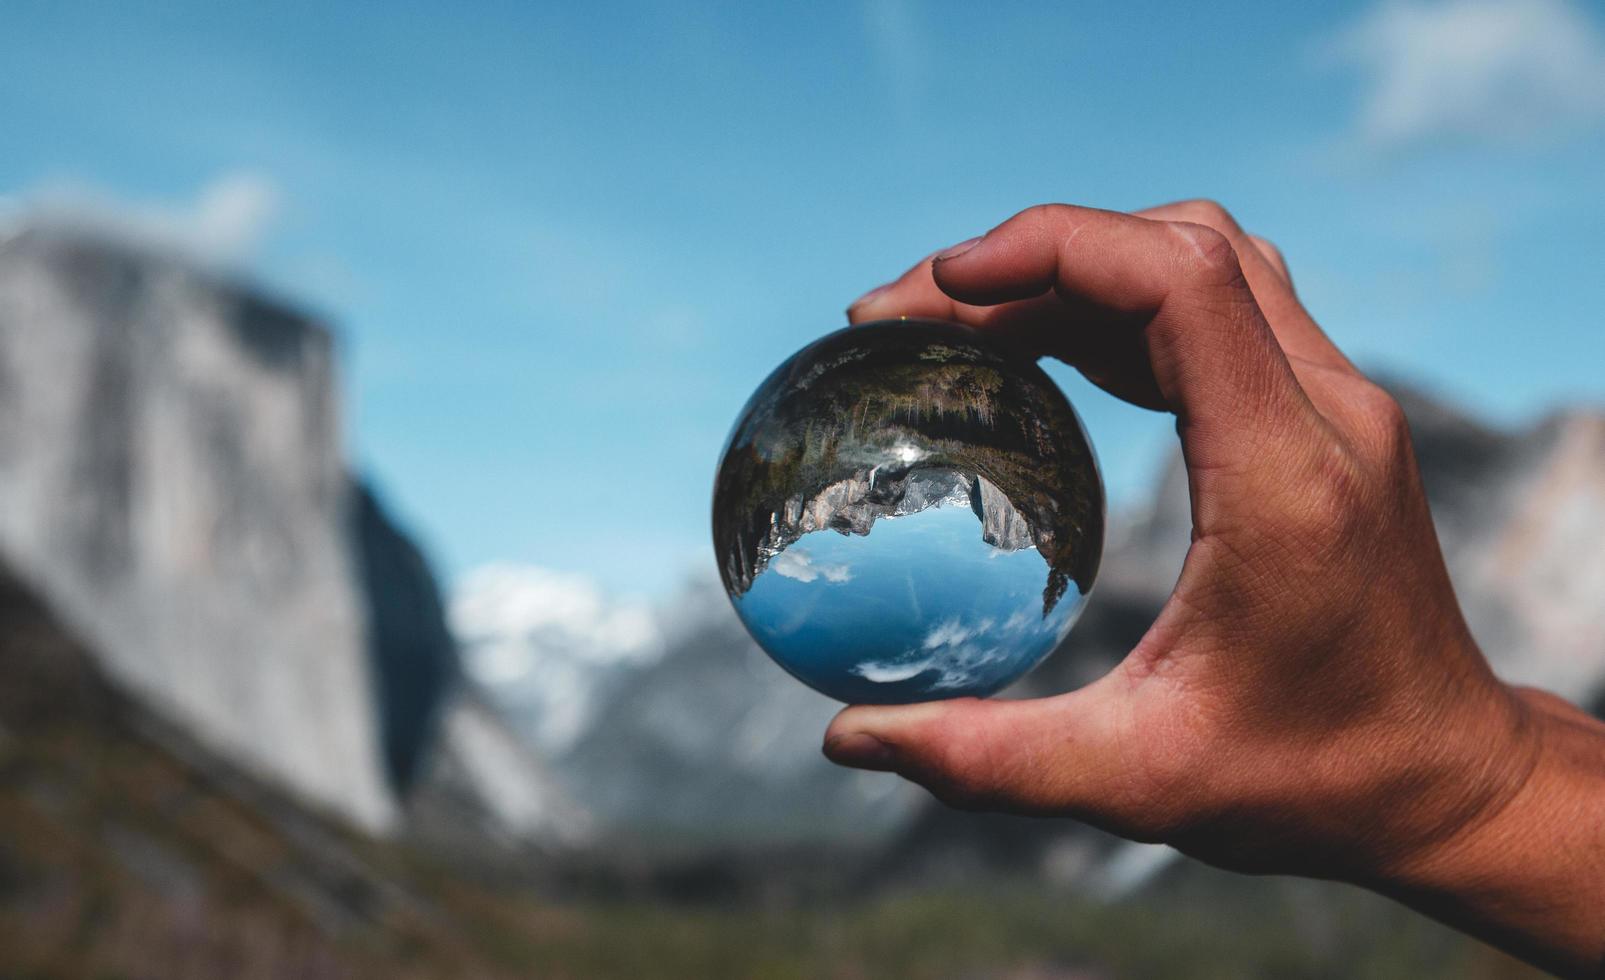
column 868, row 297
column 959, row 249
column 860, row 751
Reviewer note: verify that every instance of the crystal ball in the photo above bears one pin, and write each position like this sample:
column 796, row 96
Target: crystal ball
column 907, row 511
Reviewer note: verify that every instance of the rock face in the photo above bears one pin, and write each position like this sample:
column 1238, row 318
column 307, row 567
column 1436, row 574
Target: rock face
column 172, row 484
column 1002, row 526
column 853, row 505
column 409, row 645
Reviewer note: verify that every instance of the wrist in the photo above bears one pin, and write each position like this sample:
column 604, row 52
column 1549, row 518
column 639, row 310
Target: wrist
column 1440, row 769
column 1525, row 868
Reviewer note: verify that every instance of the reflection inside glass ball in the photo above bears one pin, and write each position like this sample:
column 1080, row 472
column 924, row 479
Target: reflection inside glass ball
column 906, row 511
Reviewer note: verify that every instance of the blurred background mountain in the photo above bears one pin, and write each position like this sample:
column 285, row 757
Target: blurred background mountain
column 248, row 728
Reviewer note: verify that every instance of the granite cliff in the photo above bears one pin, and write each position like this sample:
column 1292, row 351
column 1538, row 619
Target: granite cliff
column 172, row 486
column 853, row 505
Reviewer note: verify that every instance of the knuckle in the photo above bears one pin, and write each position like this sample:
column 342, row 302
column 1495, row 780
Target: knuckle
column 1384, row 429
column 1327, row 509
column 1207, row 255
column 1269, row 247
column 1209, row 213
column 1040, row 216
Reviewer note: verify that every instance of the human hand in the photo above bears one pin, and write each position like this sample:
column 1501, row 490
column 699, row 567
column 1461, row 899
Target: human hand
column 1309, row 700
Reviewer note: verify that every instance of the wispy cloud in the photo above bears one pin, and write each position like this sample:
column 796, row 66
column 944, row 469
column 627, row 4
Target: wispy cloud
column 954, row 632
column 892, row 671
column 223, row 223
column 1484, row 71
column 959, row 653
column 957, row 665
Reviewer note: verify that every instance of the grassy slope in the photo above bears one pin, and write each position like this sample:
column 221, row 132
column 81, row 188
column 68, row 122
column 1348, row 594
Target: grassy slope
column 127, row 853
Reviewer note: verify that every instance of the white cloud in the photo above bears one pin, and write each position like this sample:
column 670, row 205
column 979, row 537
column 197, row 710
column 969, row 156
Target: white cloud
column 1490, row 71
column 231, row 214
column 797, row 563
column 958, row 664
column 516, row 602
column 223, row 224
column 948, row 634
column 892, row 671
column 954, row 632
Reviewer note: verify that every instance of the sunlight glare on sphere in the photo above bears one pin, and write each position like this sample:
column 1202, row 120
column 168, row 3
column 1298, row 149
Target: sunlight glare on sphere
column 907, row 511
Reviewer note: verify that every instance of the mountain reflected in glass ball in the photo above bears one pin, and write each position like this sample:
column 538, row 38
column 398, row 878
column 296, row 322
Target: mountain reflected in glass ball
column 907, row 511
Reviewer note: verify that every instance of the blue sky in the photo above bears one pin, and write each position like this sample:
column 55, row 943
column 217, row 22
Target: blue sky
column 561, row 243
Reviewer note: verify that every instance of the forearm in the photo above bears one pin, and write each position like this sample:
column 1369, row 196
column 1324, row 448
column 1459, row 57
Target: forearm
column 1529, row 876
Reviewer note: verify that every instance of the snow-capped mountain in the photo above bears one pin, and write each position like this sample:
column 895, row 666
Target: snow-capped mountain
column 546, row 643
column 667, row 724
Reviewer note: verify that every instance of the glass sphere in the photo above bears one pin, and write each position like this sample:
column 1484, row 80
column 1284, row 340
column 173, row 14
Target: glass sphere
column 908, row 511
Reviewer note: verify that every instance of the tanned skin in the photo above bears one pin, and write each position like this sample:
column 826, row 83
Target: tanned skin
column 1309, row 701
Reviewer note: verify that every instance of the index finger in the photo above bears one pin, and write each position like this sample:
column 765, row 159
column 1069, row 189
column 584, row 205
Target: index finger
column 1113, row 360
column 1177, row 287
column 1266, row 273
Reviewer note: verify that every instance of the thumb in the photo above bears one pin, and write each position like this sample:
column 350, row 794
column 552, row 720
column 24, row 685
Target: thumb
column 1049, row 755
